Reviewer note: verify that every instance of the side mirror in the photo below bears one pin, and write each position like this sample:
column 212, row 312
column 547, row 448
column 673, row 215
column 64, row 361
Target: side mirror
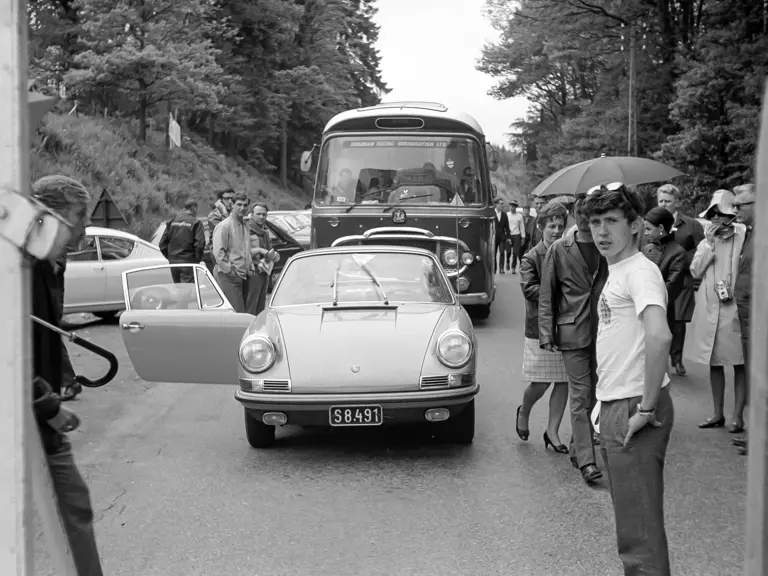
column 494, row 191
column 306, row 161
column 493, row 160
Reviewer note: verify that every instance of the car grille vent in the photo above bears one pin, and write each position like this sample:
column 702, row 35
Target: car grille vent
column 277, row 386
column 434, row 381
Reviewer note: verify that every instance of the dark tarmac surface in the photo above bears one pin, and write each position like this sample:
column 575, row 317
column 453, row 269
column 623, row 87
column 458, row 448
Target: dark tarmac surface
column 178, row 492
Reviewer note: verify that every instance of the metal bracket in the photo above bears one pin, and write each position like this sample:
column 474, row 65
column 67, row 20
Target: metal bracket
column 31, row 226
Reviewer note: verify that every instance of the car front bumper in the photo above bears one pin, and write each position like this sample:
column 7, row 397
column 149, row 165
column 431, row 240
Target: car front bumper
column 397, row 408
column 476, row 298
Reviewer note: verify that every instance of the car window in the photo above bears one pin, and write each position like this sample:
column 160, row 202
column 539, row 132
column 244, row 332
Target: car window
column 164, row 288
column 209, row 296
column 403, row 278
column 86, row 251
column 113, row 248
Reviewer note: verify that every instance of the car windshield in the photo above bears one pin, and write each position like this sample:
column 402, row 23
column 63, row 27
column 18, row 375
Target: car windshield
column 288, row 222
column 401, row 278
column 392, row 170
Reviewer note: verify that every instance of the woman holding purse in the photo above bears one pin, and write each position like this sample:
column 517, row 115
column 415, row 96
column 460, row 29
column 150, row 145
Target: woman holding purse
column 715, row 324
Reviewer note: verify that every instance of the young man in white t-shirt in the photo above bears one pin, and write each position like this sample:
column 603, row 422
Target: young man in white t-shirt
column 636, row 413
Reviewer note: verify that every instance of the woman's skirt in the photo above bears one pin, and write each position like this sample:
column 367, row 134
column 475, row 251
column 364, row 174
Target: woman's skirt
column 541, row 365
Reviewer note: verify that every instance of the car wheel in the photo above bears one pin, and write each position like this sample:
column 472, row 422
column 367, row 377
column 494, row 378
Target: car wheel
column 105, row 315
column 461, row 429
column 259, row 434
column 479, row 311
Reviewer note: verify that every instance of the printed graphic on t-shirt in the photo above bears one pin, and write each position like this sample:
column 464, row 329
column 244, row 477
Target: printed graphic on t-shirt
column 604, row 310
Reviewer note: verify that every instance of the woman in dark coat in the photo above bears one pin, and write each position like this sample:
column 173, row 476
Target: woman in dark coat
column 542, row 367
column 661, row 249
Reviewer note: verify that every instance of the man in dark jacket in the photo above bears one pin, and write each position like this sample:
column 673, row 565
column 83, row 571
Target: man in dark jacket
column 529, row 224
column 744, row 204
column 183, row 242
column 661, row 249
column 573, row 275
column 688, row 233
column 502, row 233
column 70, row 200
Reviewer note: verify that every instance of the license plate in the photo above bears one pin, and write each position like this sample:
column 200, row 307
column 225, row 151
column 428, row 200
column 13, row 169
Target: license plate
column 364, row 415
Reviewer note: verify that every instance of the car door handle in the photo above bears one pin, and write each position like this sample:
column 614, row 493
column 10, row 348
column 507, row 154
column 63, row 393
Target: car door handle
column 133, row 326
column 98, row 268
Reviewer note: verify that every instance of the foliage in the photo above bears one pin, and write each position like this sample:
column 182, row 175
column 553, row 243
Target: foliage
column 699, row 70
column 147, row 182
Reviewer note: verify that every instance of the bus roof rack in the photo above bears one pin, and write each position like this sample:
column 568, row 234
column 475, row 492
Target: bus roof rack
column 433, row 106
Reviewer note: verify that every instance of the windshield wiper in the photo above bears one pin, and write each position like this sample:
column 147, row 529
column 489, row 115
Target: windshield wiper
column 365, row 268
column 401, row 200
column 365, row 195
column 336, row 286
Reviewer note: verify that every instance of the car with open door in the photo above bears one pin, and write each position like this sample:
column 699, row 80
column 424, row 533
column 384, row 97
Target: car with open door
column 353, row 336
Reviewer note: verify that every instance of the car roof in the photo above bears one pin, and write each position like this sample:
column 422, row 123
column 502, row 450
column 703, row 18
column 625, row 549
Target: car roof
column 370, row 248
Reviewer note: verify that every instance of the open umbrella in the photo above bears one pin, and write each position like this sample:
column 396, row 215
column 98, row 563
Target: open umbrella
column 578, row 178
column 564, row 199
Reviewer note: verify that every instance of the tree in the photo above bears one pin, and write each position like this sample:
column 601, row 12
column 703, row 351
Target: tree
column 149, row 52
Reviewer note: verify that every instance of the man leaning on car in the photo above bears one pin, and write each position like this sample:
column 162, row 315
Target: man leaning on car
column 183, row 242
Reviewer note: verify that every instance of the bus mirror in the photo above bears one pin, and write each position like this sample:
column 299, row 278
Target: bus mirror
column 493, row 160
column 306, row 161
column 494, row 190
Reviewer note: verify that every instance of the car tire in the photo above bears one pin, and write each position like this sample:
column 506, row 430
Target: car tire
column 259, row 435
column 460, row 429
column 479, row 311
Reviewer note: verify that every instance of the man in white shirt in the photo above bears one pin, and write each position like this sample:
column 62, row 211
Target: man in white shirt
column 636, row 411
column 516, row 235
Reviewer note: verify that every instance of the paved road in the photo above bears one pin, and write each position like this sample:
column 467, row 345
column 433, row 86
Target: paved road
column 177, row 490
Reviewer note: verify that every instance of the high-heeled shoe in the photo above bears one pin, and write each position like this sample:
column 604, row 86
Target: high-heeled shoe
column 559, row 448
column 520, row 432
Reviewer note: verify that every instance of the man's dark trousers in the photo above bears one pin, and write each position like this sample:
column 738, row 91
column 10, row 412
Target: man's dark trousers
column 678, row 340
column 581, row 366
column 185, row 275
column 636, row 480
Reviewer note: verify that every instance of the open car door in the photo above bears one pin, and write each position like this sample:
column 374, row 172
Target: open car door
column 179, row 327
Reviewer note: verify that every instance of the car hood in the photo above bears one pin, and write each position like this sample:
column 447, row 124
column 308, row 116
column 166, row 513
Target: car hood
column 358, row 350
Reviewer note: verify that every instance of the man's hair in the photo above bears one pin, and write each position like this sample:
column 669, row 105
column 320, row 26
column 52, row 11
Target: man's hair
column 240, row 196
column 549, row 212
column 220, row 193
column 259, row 205
column 603, row 200
column 59, row 193
column 190, row 205
column 669, row 189
column 661, row 217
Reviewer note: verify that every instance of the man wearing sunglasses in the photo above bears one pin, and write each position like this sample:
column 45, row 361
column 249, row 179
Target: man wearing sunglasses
column 221, row 209
column 744, row 204
column 573, row 275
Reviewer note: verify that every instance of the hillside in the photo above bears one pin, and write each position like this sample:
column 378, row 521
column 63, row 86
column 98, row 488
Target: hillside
column 146, row 180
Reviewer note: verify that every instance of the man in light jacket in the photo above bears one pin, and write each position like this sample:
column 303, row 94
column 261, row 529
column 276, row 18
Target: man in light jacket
column 232, row 253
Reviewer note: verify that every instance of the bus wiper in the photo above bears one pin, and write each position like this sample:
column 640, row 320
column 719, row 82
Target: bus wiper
column 336, row 285
column 365, row 195
column 365, row 268
column 401, row 200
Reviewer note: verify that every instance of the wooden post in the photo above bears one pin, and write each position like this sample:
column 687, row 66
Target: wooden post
column 756, row 533
column 631, row 103
column 15, row 409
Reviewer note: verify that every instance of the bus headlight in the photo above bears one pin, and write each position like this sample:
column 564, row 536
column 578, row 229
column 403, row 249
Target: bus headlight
column 257, row 354
column 450, row 258
column 454, row 349
column 467, row 258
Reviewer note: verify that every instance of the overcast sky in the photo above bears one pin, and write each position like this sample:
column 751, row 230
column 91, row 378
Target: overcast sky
column 429, row 49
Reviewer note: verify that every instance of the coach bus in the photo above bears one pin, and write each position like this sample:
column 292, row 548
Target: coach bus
column 415, row 174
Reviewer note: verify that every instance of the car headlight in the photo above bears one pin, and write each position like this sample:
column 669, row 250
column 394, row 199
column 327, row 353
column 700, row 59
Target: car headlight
column 467, row 258
column 450, row 258
column 454, row 349
column 257, row 354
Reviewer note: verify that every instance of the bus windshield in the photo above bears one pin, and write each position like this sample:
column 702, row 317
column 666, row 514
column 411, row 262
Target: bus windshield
column 394, row 170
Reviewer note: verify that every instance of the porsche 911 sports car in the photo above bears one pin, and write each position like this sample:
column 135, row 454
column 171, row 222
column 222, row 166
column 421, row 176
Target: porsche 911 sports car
column 351, row 336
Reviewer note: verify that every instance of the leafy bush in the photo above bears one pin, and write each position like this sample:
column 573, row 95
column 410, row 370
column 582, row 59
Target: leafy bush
column 148, row 182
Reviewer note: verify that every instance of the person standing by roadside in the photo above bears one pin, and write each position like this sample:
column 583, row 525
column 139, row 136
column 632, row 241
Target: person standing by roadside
column 688, row 233
column 502, row 234
column 538, row 204
column 541, row 367
column 264, row 258
column 661, row 249
column 516, row 235
column 715, row 317
column 529, row 223
column 573, row 275
column 232, row 253
column 636, row 410
column 744, row 204
column 221, row 208
column 183, row 242
column 69, row 199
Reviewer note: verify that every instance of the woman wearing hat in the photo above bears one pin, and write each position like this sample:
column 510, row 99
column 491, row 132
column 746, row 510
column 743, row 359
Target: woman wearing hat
column 715, row 326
